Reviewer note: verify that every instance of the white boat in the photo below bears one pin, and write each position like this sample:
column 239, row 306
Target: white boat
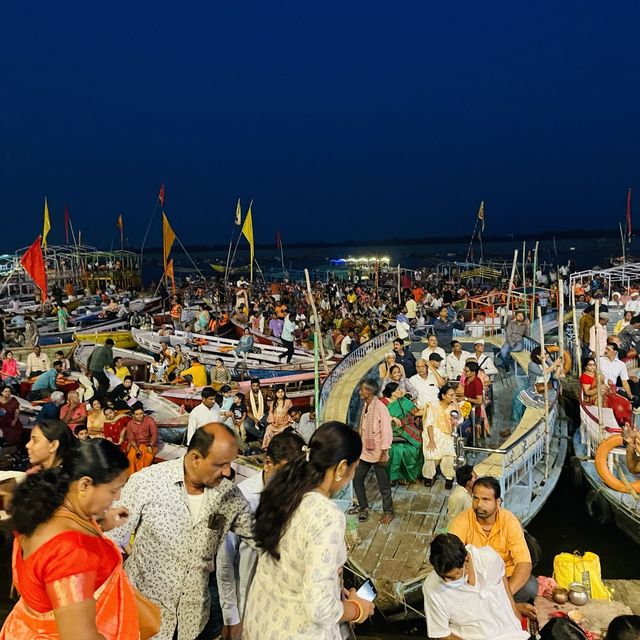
column 209, row 348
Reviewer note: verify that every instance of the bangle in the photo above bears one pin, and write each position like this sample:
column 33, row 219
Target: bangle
column 359, row 611
column 363, row 616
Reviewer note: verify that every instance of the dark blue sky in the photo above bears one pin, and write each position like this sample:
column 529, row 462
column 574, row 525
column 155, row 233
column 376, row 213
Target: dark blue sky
column 342, row 120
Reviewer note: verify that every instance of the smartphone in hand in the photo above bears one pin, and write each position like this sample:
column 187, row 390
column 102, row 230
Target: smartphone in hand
column 367, row 591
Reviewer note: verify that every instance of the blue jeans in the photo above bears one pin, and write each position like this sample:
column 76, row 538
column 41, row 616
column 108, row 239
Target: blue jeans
column 506, row 350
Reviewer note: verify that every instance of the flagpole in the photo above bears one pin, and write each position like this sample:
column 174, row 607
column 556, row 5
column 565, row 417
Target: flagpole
column 188, row 256
column 6, row 282
column 284, row 269
column 144, row 240
column 226, row 269
column 473, row 235
column 233, row 257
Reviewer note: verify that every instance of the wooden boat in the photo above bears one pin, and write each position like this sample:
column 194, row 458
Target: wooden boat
column 527, row 465
column 121, row 337
column 299, row 388
column 604, row 504
column 136, row 362
column 261, row 362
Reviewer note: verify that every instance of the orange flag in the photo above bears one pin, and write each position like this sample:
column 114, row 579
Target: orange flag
column 169, row 274
column 168, row 238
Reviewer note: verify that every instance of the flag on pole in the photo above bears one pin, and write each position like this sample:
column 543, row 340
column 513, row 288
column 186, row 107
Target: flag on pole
column 169, row 274
column 46, row 225
column 247, row 232
column 33, row 264
column 238, row 213
column 481, row 214
column 629, row 215
column 161, row 195
column 278, row 239
column 168, row 237
column 66, row 223
column 120, row 226
column 79, row 237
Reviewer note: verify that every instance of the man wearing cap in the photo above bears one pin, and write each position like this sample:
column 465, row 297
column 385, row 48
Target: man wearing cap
column 633, row 304
column 598, row 335
column 427, row 381
column 485, row 360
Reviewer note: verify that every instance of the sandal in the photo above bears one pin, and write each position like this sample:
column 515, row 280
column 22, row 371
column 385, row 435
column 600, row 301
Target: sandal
column 363, row 515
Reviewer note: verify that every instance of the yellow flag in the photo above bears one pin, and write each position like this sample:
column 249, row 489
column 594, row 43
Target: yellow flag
column 238, row 213
column 168, row 236
column 169, row 274
column 481, row 214
column 46, row 225
column 247, row 232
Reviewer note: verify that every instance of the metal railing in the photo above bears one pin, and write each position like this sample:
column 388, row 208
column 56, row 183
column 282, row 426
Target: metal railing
column 349, row 361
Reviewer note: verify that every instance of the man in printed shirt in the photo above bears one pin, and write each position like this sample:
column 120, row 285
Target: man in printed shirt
column 180, row 511
column 377, row 437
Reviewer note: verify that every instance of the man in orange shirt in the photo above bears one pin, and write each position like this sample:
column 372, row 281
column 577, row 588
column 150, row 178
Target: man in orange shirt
column 487, row 524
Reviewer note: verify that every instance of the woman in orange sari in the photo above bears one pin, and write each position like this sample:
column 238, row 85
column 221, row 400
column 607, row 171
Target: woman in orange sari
column 70, row 578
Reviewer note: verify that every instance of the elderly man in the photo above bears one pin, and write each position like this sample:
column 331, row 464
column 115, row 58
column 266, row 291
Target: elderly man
column 427, row 381
column 377, row 437
column 612, row 368
column 633, row 304
column 432, row 347
column 517, row 329
column 180, row 511
column 51, row 410
column 74, row 412
column 466, row 596
column 487, row 524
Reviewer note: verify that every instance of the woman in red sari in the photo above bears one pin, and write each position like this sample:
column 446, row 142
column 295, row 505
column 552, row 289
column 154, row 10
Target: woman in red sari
column 70, row 578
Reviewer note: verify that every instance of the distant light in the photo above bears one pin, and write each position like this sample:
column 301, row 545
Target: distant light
column 572, row 248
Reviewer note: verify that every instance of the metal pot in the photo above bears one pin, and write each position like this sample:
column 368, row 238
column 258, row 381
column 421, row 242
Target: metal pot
column 560, row 595
column 578, row 594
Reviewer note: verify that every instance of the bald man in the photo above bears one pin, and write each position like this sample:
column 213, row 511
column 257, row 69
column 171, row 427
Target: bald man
column 180, row 511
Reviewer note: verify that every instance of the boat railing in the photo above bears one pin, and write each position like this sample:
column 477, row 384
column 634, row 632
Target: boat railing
column 349, row 361
column 518, row 460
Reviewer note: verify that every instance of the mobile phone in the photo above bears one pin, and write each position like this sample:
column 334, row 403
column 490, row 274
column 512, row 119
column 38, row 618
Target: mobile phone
column 367, row 591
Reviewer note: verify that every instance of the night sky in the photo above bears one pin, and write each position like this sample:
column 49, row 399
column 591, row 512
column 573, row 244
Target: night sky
column 342, row 120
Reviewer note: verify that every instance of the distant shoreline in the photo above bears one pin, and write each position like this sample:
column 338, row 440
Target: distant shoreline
column 429, row 240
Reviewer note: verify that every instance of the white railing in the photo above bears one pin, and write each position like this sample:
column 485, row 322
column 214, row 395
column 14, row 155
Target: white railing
column 349, row 361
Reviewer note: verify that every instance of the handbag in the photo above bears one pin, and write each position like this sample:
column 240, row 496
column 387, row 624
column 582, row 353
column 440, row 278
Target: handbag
column 148, row 616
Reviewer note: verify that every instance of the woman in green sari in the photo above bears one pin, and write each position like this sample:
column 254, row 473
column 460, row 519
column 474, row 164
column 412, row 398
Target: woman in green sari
column 405, row 455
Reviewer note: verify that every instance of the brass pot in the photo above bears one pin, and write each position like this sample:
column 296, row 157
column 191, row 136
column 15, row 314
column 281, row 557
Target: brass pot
column 560, row 595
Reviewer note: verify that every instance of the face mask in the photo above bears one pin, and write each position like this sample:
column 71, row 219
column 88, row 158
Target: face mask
column 456, row 584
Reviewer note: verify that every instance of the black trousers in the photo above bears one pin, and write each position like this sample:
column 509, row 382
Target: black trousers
column 289, row 345
column 383, row 484
column 103, row 383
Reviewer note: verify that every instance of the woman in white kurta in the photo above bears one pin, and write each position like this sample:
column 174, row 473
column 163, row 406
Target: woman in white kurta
column 296, row 593
column 437, row 436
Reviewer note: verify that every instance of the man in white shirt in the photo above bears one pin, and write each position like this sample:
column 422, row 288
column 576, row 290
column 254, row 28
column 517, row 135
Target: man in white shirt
column 207, row 411
column 345, row 343
column 485, row 360
column 612, row 368
column 427, row 381
column 236, row 560
column 466, row 596
column 432, row 347
column 633, row 304
column 37, row 362
column 454, row 364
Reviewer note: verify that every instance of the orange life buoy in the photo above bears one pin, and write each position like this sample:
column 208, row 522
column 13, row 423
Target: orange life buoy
column 602, row 467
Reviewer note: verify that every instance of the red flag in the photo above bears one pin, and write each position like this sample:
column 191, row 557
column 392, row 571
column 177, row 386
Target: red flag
column 278, row 239
column 66, row 223
column 161, row 195
column 33, row 264
column 629, row 215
